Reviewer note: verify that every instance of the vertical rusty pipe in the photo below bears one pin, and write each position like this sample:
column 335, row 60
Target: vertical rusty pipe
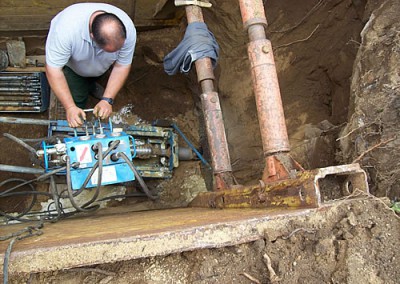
column 265, row 79
column 214, row 123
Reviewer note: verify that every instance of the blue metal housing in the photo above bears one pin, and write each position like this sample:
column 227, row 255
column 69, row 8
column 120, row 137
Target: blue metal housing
column 82, row 149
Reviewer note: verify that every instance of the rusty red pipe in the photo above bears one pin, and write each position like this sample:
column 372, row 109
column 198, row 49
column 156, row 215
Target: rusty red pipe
column 271, row 117
column 215, row 129
column 265, row 79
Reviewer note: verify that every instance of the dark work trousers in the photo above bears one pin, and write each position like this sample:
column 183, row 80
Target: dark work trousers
column 79, row 86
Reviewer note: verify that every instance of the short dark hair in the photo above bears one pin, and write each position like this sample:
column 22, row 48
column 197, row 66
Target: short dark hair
column 98, row 34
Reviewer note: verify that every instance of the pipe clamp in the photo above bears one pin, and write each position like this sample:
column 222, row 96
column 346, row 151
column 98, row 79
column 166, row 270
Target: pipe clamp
column 193, row 2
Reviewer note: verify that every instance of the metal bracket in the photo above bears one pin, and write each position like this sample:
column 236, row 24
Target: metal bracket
column 303, row 191
column 193, row 2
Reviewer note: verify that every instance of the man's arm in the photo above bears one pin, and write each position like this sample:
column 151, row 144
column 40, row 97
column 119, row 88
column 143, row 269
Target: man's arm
column 117, row 79
column 59, row 85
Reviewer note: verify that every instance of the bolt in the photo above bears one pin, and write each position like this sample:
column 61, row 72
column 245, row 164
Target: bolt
column 213, row 100
column 265, row 49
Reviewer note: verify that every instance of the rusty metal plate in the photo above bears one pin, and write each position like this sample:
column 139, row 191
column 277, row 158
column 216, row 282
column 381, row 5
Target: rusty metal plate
column 104, row 239
column 302, row 191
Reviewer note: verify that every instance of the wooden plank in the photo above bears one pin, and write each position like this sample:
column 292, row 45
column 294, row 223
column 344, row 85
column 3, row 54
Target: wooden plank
column 26, row 69
column 39, row 24
column 58, row 3
column 27, row 22
column 36, row 15
column 21, row 11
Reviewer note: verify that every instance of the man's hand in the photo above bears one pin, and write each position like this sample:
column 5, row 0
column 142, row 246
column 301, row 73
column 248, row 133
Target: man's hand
column 75, row 116
column 103, row 110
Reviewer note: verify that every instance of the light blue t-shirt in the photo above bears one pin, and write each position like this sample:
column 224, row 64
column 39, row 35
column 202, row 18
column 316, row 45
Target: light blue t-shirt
column 69, row 43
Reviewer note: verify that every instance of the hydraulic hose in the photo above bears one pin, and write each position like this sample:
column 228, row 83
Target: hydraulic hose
column 33, row 192
column 99, row 175
column 20, row 142
column 23, row 182
column 53, row 188
column 138, row 177
column 26, row 193
column 98, row 165
column 40, row 178
column 71, row 194
column 56, row 171
column 113, row 145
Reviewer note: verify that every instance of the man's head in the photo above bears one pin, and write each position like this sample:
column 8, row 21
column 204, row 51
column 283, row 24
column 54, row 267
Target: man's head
column 108, row 32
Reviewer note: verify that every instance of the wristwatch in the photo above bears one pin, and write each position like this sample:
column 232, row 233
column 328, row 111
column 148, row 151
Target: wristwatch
column 108, row 100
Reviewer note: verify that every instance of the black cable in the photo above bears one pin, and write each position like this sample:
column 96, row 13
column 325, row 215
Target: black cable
column 34, row 198
column 53, row 188
column 40, row 178
column 26, row 193
column 71, row 194
column 6, row 259
column 62, row 192
column 25, row 182
column 56, row 171
column 138, row 177
column 30, row 231
column 99, row 175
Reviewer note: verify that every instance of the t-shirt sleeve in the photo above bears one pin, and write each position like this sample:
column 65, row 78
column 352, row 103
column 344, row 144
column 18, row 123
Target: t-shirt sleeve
column 125, row 55
column 58, row 48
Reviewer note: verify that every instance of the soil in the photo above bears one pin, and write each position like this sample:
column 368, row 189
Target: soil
column 375, row 102
column 337, row 64
column 353, row 242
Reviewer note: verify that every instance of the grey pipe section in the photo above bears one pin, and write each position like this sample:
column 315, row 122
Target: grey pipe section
column 15, row 120
column 18, row 77
column 20, row 104
column 12, row 89
column 18, row 169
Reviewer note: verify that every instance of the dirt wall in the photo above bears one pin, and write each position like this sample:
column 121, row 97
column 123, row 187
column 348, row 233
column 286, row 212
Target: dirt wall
column 371, row 135
column 315, row 45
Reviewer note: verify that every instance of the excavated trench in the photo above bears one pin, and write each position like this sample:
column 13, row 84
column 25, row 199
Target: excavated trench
column 315, row 46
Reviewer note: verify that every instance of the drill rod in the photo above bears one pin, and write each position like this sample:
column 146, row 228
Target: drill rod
column 20, row 108
column 25, row 94
column 31, row 121
column 18, row 104
column 20, row 84
column 11, row 90
column 20, row 98
column 19, row 78
column 17, row 169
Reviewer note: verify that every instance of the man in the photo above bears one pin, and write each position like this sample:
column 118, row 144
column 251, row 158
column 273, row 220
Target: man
column 84, row 41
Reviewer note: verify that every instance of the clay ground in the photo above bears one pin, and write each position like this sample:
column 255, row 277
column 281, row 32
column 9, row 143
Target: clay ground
column 315, row 47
